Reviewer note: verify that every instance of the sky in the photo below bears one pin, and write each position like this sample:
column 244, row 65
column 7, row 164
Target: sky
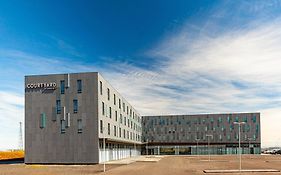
column 164, row 57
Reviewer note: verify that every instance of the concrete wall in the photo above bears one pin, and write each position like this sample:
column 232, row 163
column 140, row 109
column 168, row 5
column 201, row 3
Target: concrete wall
column 49, row 145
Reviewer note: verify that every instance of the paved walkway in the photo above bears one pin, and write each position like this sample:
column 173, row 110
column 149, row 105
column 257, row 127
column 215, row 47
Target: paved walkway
column 135, row 159
column 242, row 171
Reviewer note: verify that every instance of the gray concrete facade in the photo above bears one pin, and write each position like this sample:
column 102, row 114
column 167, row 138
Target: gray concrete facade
column 186, row 131
column 63, row 114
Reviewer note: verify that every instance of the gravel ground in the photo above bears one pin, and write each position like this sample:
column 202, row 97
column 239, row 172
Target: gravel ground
column 168, row 165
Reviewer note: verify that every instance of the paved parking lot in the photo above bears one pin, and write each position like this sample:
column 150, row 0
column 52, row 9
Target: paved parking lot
column 166, row 165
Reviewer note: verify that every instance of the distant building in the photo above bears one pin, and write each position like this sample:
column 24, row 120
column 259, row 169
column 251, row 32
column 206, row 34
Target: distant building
column 180, row 134
column 68, row 115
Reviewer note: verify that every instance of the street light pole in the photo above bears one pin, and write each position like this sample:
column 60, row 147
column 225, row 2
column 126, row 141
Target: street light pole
column 208, row 136
column 240, row 156
column 197, row 140
column 104, row 149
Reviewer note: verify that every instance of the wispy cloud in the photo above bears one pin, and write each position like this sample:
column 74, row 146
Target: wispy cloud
column 203, row 68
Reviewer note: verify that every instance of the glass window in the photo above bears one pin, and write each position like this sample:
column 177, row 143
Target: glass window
column 62, row 126
column 254, row 118
column 100, row 87
column 79, row 123
column 115, row 131
column 58, row 106
column 120, row 132
column 75, row 106
column 108, row 128
column 121, row 118
column 108, row 94
column 114, row 99
column 103, row 111
column 101, row 126
column 79, row 86
column 110, row 115
column 42, row 120
column 62, row 86
column 236, row 119
column 116, row 115
column 119, row 104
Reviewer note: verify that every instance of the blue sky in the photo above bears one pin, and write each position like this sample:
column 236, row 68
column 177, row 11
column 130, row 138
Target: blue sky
column 165, row 57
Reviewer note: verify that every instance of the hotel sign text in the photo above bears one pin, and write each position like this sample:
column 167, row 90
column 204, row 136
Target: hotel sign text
column 52, row 85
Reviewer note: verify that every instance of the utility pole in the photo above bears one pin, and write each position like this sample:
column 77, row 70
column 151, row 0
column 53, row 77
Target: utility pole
column 20, row 137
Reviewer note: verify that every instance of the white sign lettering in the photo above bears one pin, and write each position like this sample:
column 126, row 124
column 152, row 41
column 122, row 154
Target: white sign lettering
column 52, row 85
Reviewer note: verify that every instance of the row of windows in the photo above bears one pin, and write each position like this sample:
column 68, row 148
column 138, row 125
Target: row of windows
column 65, row 123
column 125, row 121
column 165, row 130
column 130, row 135
column 78, row 86
column 200, row 137
column 59, row 108
column 129, row 111
column 180, row 121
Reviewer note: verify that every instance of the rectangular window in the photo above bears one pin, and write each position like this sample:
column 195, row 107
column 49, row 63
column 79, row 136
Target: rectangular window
column 103, row 111
column 124, row 133
column 75, row 106
column 121, row 118
column 108, row 128
column 127, row 110
column 101, row 126
column 79, row 86
column 114, row 99
column 58, row 106
column 67, row 120
column 123, row 107
column 79, row 124
column 116, row 116
column 42, row 120
column 108, row 94
column 100, row 87
column 125, row 121
column 115, row 131
column 62, row 126
column 110, row 113
column 119, row 103
column 62, row 86
column 120, row 132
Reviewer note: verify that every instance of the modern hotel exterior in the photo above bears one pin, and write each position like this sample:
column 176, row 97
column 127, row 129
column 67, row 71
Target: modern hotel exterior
column 69, row 116
column 201, row 134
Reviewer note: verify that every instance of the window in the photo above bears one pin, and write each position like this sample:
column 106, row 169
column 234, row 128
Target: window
column 125, row 121
column 119, row 103
column 62, row 126
column 124, row 133
column 114, row 99
column 67, row 120
column 75, row 106
column 79, row 86
column 79, row 124
column 236, row 119
column 116, row 115
column 108, row 94
column 62, row 86
column 42, row 120
column 103, row 108
column 100, row 87
column 120, row 132
column 108, row 128
column 110, row 115
column 254, row 119
column 115, row 131
column 121, row 118
column 101, row 126
column 127, row 110
column 123, row 107
column 58, row 106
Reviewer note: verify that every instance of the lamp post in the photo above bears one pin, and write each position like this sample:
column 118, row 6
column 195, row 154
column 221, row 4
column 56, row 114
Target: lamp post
column 197, row 140
column 239, row 126
column 209, row 135
column 104, row 149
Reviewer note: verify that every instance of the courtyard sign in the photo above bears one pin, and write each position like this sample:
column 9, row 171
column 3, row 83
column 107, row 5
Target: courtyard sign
column 52, row 85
